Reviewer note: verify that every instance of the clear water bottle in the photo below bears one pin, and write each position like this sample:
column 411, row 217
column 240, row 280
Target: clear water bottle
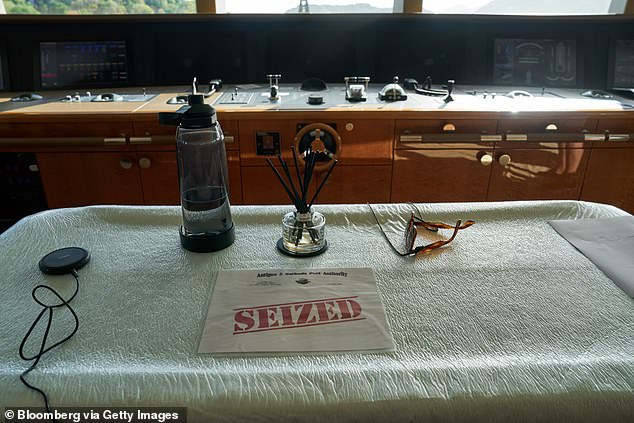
column 202, row 171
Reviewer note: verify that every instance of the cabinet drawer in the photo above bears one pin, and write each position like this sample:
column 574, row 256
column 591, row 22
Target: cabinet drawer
column 625, row 126
column 610, row 177
column 356, row 184
column 66, row 130
column 150, row 132
column 414, row 133
column 547, row 173
column 621, row 130
column 230, row 130
column 81, row 179
column 546, row 129
column 440, row 175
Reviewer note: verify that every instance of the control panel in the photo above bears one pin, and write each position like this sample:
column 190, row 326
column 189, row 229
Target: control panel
column 80, row 63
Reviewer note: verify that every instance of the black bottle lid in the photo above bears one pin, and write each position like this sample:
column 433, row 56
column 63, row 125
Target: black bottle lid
column 196, row 114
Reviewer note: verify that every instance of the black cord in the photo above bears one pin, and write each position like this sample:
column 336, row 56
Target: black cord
column 43, row 350
column 385, row 235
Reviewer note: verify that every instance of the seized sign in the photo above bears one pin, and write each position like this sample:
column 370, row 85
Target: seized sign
column 295, row 310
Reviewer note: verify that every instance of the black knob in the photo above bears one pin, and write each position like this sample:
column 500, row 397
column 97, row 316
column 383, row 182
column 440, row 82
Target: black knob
column 427, row 83
column 450, row 85
column 315, row 99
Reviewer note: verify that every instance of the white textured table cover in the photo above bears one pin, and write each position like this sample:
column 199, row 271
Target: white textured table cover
column 508, row 323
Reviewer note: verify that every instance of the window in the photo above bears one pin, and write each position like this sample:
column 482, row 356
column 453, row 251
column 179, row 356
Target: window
column 525, row 7
column 493, row 7
column 305, row 6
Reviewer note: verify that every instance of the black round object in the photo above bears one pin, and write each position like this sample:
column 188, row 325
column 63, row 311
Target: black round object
column 315, row 99
column 64, row 260
column 313, row 84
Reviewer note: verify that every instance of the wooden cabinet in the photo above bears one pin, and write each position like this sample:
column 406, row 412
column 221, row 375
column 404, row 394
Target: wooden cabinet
column 158, row 169
column 347, row 184
column 538, row 171
column 610, row 172
column 158, row 172
column 148, row 131
column 380, row 160
column 442, row 160
column 78, row 179
column 123, row 177
column 362, row 174
column 416, row 133
column 69, row 131
column 261, row 186
column 540, row 158
column 441, row 174
column 610, row 175
column 546, row 129
column 356, row 184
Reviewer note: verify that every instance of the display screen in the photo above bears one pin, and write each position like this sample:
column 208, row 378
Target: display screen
column 535, row 62
column 93, row 63
column 624, row 64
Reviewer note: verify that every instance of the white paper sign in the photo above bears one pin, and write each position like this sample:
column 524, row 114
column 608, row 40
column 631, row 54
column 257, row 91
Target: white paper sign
column 607, row 242
column 295, row 310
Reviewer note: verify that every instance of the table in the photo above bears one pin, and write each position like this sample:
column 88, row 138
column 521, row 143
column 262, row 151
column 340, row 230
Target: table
column 507, row 323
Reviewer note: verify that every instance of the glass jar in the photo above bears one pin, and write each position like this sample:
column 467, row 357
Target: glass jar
column 303, row 233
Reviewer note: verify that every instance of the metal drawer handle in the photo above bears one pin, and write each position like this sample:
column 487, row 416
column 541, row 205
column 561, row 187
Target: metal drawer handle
column 411, row 138
column 116, row 140
column 504, row 159
column 516, row 137
column 618, row 137
column 145, row 163
column 594, row 137
column 551, row 127
column 126, row 163
column 140, row 140
column 486, row 159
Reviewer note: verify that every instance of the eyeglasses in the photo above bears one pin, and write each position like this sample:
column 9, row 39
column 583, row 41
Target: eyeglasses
column 412, row 230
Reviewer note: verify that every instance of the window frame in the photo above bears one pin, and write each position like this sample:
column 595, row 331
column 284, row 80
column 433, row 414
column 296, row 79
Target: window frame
column 206, row 7
column 416, row 6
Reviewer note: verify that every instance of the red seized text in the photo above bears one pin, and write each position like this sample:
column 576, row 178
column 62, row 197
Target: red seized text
column 297, row 314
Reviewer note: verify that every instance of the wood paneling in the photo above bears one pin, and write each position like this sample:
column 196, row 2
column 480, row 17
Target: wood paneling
column 78, row 179
column 159, row 177
column 261, row 186
column 623, row 126
column 538, row 173
column 440, row 175
column 539, row 125
column 356, row 184
column 76, row 128
column 610, row 177
column 374, row 164
column 368, row 142
column 247, row 134
column 449, row 125
column 235, row 177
